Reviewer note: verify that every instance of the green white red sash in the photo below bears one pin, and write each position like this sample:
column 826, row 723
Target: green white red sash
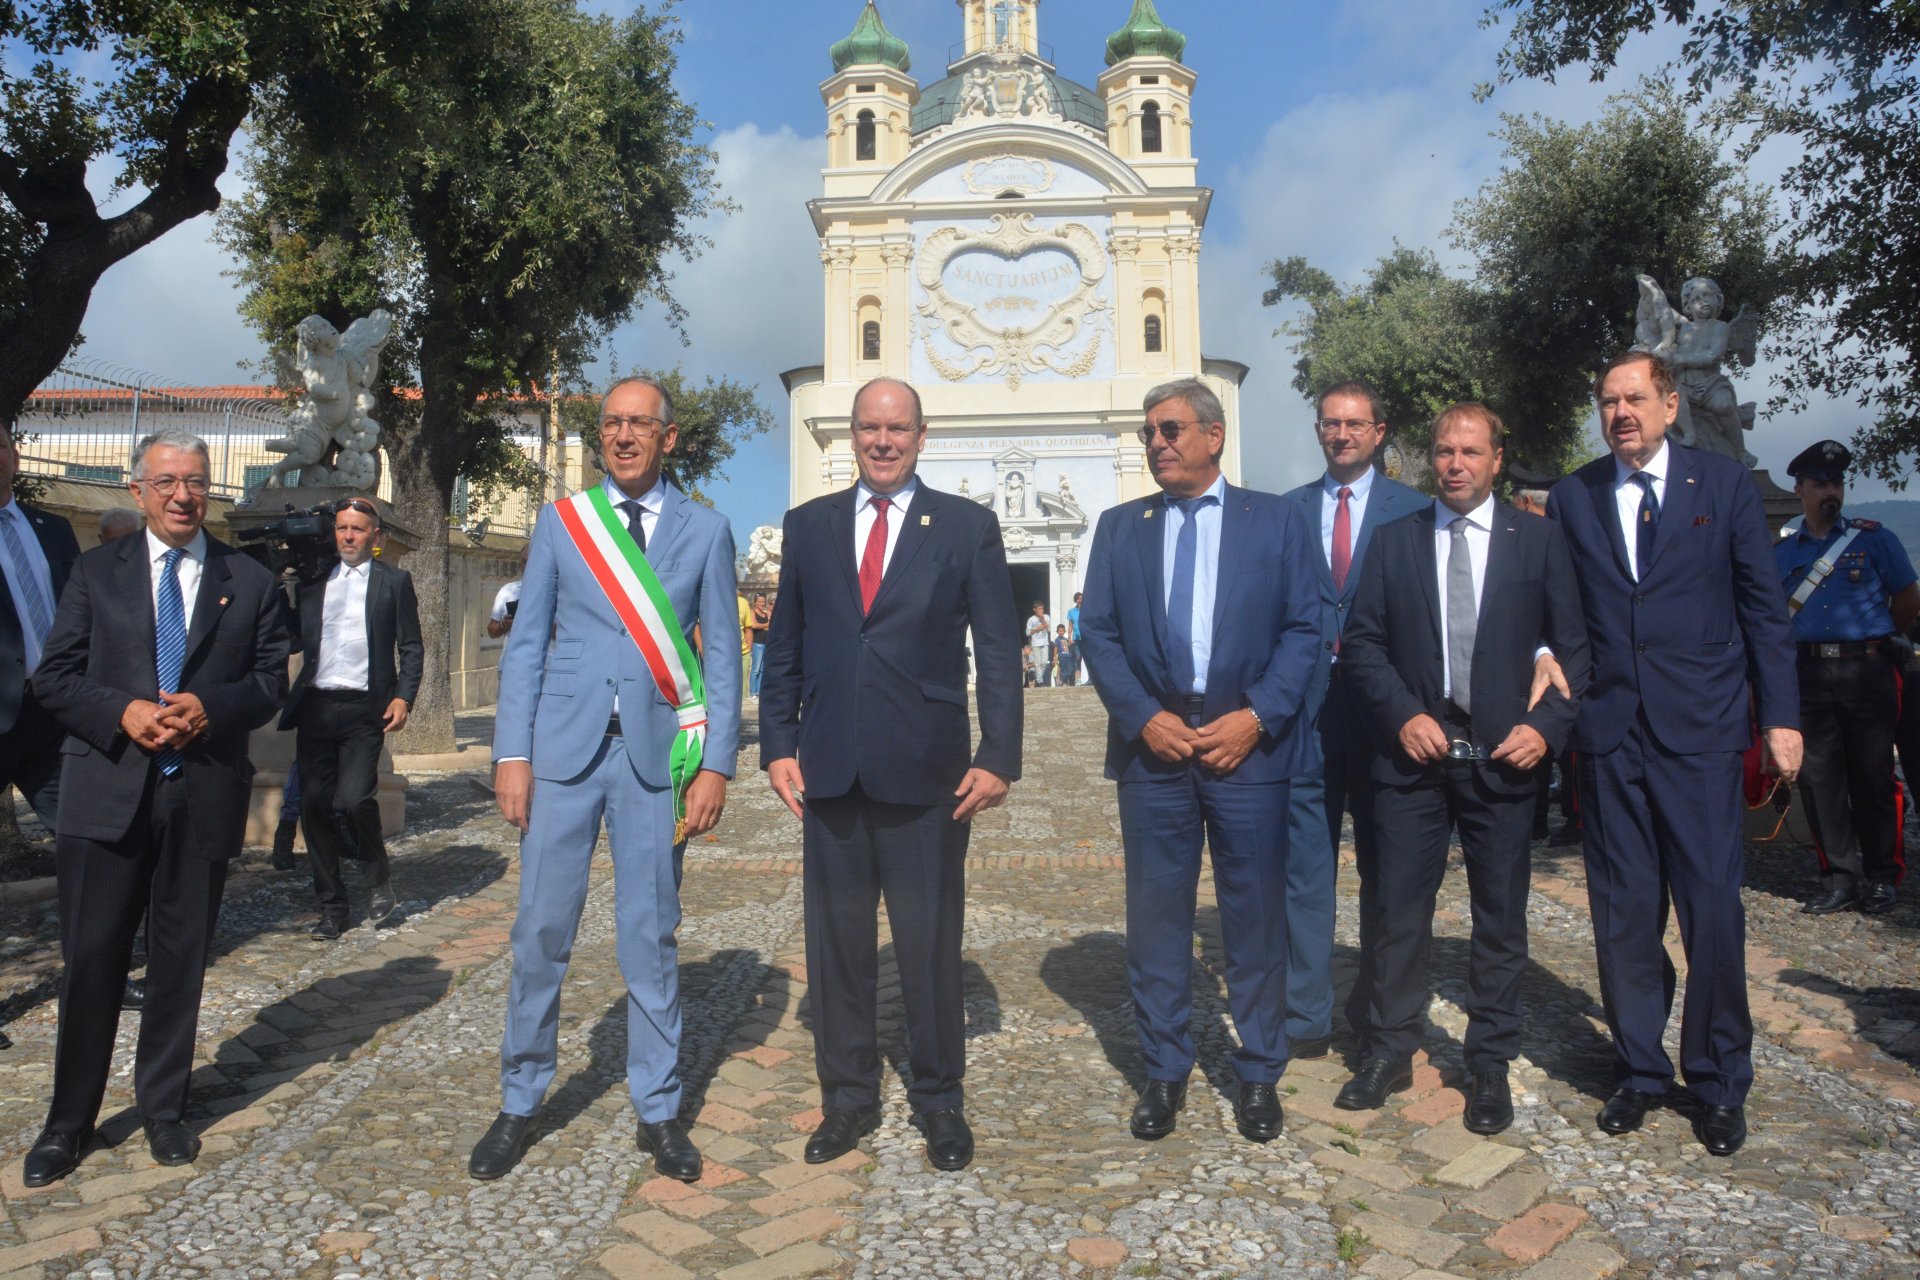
column 621, row 569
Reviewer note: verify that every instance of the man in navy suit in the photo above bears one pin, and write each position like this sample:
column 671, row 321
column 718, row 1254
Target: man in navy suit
column 37, row 551
column 1202, row 616
column 864, row 736
column 1455, row 603
column 1346, row 504
column 1691, row 644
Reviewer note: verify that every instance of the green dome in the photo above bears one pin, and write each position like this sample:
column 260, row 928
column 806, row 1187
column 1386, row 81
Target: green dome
column 1145, row 36
column 870, row 44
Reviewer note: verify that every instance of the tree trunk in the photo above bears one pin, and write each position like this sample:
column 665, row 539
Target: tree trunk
column 422, row 504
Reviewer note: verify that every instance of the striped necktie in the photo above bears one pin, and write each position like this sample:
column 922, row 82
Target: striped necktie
column 170, row 642
column 39, row 609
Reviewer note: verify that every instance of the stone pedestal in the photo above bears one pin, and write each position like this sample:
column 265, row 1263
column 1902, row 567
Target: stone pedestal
column 1781, row 505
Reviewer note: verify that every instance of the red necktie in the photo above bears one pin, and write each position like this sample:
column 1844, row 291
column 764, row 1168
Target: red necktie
column 874, row 558
column 1342, row 541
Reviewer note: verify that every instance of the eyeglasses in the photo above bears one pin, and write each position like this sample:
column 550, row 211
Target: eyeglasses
column 165, row 485
column 1327, row 426
column 1461, row 749
column 1168, row 430
column 639, row 426
column 361, row 505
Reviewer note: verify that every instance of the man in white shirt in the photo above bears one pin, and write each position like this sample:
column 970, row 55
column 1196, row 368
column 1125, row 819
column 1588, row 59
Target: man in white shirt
column 360, row 632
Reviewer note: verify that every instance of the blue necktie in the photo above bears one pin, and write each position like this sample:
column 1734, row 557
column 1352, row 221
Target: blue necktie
column 39, row 613
column 1186, row 549
column 170, row 642
column 1644, row 525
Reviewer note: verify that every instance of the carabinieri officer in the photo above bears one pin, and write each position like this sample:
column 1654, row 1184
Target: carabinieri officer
column 1851, row 588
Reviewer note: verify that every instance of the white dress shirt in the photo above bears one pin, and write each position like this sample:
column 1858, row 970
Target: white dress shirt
column 650, row 504
column 35, row 568
column 1479, row 523
column 188, row 573
column 1330, row 507
column 343, row 628
column 1206, row 570
column 1626, row 499
column 864, row 516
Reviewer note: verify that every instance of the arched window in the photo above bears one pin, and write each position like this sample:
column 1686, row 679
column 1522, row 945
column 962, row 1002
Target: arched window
column 863, row 144
column 1153, row 333
column 1150, row 127
column 870, row 340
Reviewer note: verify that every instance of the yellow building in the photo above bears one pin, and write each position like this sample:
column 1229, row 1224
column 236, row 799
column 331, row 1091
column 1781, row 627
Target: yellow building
column 1023, row 249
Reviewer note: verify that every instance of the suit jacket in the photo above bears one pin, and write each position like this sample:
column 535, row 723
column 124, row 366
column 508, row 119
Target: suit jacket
column 1266, row 633
column 393, row 630
column 1706, row 621
column 61, row 548
column 1397, row 632
column 569, row 654
column 100, row 657
column 1387, row 501
column 881, row 700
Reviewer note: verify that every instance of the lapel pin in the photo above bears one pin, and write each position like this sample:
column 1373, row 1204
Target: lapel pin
column 1689, row 479
column 925, row 521
column 1148, row 515
column 223, row 601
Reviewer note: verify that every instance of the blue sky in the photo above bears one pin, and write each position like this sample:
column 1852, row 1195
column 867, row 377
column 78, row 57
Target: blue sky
column 1326, row 130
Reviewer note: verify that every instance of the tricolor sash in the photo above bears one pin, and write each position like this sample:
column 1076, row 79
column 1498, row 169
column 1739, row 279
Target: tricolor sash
column 621, row 569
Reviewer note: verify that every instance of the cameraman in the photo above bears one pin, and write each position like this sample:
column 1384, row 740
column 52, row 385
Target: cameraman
column 360, row 632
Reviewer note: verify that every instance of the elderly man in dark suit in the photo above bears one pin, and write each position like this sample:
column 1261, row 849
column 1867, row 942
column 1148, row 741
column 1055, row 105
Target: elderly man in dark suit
column 169, row 648
column 360, row 632
column 1455, row 604
column 1202, row 616
column 1691, row 647
column 864, row 735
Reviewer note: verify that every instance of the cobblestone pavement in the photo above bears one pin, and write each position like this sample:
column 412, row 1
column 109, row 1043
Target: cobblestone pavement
column 343, row 1085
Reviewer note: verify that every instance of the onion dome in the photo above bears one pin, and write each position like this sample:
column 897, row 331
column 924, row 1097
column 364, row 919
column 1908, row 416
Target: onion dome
column 870, row 44
column 1145, row 36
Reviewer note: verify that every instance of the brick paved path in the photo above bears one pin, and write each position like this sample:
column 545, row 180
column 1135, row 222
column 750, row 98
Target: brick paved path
column 344, row 1085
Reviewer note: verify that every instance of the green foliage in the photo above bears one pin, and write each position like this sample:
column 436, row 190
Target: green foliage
column 1838, row 78
column 1350, row 1244
column 1556, row 238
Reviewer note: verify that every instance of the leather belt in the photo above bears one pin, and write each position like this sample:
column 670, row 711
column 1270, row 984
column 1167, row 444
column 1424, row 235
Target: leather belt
column 1842, row 648
column 338, row 695
column 613, row 726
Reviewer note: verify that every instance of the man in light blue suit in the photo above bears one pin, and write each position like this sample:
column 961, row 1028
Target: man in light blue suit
column 1201, row 617
column 585, row 730
column 1344, row 506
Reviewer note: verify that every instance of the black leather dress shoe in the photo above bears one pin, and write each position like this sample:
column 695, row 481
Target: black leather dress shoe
column 6, row 1042
column 1626, row 1110
column 840, row 1132
column 1721, row 1130
column 1256, row 1111
column 1159, row 1108
column 949, row 1140
column 1832, row 901
column 1879, row 899
column 381, row 906
column 52, row 1157
column 172, row 1143
column 135, row 996
column 674, row 1155
column 325, row 929
column 1489, row 1102
column 1376, row 1078
column 1318, row 1047
column 283, row 845
column 501, row 1147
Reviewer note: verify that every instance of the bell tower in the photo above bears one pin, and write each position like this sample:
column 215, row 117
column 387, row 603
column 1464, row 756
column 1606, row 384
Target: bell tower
column 869, row 102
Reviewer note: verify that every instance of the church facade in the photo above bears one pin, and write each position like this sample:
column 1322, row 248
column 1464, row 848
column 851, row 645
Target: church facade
column 1023, row 249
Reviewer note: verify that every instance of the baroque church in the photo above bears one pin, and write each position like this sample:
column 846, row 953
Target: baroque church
column 1023, row 249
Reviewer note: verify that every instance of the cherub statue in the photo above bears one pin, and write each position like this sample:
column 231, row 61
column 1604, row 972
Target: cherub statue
column 976, row 93
column 335, row 413
column 763, row 552
column 1697, row 342
column 1066, row 490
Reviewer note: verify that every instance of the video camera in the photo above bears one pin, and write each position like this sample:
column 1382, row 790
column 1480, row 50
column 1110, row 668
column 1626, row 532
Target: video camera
column 300, row 540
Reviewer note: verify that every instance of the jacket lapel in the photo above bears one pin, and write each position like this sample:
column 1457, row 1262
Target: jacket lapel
column 1377, row 515
column 919, row 516
column 1147, row 527
column 1607, row 511
column 667, row 525
column 134, row 579
column 840, row 534
column 1308, row 498
column 1677, row 509
column 1236, row 520
column 211, row 602
column 1429, row 562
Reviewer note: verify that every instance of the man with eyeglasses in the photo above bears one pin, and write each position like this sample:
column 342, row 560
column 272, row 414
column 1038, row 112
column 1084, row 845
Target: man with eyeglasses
column 168, row 649
column 607, row 714
column 1495, row 588
column 360, row 632
column 1202, row 617
column 1345, row 505
column 864, row 736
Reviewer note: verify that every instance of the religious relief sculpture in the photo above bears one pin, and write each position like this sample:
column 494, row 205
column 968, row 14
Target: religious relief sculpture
column 1016, row 499
column 1066, row 490
column 966, row 487
column 1697, row 342
column 763, row 552
column 332, row 439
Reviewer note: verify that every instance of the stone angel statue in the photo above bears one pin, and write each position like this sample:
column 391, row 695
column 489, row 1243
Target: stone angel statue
column 1697, row 342
column 332, row 438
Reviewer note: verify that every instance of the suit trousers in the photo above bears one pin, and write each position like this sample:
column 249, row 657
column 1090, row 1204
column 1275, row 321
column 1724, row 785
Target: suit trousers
column 1413, row 824
column 1849, row 710
column 1317, row 809
column 856, row 851
column 1162, row 825
column 106, row 889
column 555, row 853
column 337, row 747
column 1657, row 824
